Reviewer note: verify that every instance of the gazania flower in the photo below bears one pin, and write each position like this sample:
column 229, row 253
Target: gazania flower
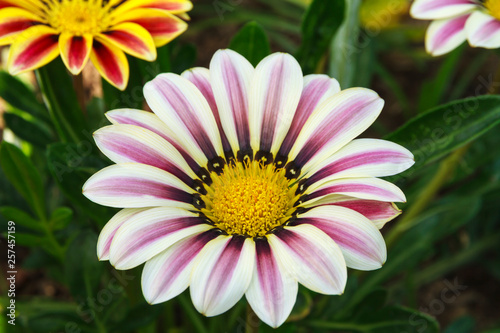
column 246, row 181
column 456, row 21
column 102, row 30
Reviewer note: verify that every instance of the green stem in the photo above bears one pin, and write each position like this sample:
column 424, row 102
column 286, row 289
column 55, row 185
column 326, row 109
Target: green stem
column 440, row 268
column 251, row 326
column 80, row 91
column 63, row 128
column 192, row 314
column 444, row 172
column 58, row 249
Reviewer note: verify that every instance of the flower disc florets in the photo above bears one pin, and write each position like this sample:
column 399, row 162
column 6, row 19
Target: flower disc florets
column 249, row 199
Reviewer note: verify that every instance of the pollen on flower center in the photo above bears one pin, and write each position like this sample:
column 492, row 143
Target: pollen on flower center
column 249, row 199
column 493, row 7
column 78, row 17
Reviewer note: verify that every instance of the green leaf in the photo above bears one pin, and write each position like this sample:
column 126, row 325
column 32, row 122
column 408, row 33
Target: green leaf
column 439, row 131
column 31, row 240
column 83, row 270
column 41, row 315
column 251, row 42
column 27, row 130
column 138, row 316
column 62, row 101
column 322, row 20
column 464, row 324
column 71, row 165
column 302, row 306
column 183, row 57
column 434, row 89
column 441, row 220
column 18, row 95
column 23, row 175
column 344, row 49
column 132, row 96
column 371, row 316
column 60, row 218
column 20, row 217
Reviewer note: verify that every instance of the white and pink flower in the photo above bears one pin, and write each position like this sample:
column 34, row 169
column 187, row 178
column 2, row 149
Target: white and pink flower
column 455, row 21
column 246, row 181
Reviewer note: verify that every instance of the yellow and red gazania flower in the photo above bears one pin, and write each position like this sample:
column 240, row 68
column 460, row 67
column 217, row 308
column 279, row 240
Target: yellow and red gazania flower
column 79, row 30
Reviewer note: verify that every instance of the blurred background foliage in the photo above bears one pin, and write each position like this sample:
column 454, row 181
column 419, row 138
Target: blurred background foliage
column 442, row 272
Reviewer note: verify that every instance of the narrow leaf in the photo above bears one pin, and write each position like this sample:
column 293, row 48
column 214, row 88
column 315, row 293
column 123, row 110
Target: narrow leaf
column 439, row 131
column 22, row 174
column 251, row 42
column 322, row 20
column 27, row 130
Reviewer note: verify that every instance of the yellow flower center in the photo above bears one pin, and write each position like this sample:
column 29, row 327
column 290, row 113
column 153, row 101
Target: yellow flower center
column 78, row 17
column 249, row 199
column 493, row 7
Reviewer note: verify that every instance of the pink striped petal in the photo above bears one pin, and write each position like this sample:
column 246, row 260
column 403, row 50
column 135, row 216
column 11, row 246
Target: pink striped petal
column 440, row 9
column 150, row 121
column 168, row 274
column 445, row 35
column 200, row 77
column 363, row 158
column 317, row 89
column 359, row 240
column 150, row 232
column 230, row 76
column 362, row 188
column 109, row 230
column 221, row 274
column 129, row 143
column 483, row 30
column 335, row 123
column 185, row 111
column 274, row 96
column 272, row 291
column 313, row 258
column 379, row 212
column 134, row 185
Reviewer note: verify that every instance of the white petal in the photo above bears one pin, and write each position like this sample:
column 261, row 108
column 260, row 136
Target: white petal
column 378, row 212
column 167, row 274
column 134, row 185
column 200, row 77
column 445, row 35
column 317, row 89
column 185, row 111
column 335, row 123
column 129, row 143
column 274, row 95
column 359, row 240
column 150, row 121
column 363, row 158
column 313, row 257
column 273, row 290
column 109, row 230
column 362, row 188
column 221, row 274
column 150, row 232
column 440, row 9
column 483, row 30
column 230, row 77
